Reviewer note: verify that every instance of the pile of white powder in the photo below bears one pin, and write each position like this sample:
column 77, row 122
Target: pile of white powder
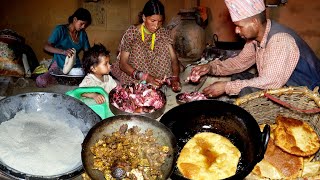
column 41, row 143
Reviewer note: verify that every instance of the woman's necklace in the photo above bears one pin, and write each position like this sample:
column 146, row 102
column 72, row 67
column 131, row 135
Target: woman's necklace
column 153, row 38
column 73, row 35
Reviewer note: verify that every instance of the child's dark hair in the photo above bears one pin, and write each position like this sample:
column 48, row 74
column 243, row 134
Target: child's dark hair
column 91, row 57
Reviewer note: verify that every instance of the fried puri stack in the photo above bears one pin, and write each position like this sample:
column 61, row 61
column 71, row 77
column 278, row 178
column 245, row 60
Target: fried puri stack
column 296, row 137
column 291, row 148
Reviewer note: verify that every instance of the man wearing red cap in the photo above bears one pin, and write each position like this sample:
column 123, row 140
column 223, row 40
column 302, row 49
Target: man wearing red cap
column 280, row 55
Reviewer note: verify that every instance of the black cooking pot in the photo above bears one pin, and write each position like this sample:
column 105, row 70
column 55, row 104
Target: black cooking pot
column 53, row 103
column 237, row 45
column 219, row 117
column 161, row 133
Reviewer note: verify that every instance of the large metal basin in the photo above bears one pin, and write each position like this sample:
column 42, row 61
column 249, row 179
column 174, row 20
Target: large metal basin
column 46, row 102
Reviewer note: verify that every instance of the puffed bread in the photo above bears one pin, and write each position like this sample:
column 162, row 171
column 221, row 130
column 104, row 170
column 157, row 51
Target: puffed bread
column 278, row 164
column 311, row 169
column 69, row 62
column 296, row 137
column 208, row 156
column 252, row 176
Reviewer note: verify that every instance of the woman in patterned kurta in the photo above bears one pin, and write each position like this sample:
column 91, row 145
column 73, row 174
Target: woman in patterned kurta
column 146, row 51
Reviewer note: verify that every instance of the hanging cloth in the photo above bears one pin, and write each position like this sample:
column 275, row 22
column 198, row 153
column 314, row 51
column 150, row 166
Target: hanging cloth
column 153, row 38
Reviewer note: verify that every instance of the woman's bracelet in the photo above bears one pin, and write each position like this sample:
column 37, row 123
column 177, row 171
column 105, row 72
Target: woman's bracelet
column 136, row 74
column 133, row 74
column 64, row 52
column 139, row 75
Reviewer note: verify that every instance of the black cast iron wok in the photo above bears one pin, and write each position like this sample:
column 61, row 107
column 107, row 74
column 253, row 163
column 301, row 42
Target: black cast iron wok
column 238, row 45
column 219, row 117
column 51, row 103
column 163, row 135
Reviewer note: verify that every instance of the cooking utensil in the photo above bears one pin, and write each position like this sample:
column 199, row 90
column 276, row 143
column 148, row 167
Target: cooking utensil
column 199, row 62
column 219, row 117
column 46, row 102
column 227, row 45
column 163, row 135
column 154, row 115
column 66, row 79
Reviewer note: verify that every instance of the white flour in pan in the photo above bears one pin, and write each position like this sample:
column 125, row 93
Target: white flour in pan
column 40, row 143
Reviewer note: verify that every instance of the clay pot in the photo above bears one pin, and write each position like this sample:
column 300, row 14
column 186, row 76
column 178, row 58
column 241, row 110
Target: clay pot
column 189, row 37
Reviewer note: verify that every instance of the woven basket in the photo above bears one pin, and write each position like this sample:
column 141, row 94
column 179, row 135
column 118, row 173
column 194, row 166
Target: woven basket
column 265, row 111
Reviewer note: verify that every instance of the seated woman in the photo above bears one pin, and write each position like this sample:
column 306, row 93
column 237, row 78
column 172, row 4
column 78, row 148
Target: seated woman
column 146, row 51
column 63, row 39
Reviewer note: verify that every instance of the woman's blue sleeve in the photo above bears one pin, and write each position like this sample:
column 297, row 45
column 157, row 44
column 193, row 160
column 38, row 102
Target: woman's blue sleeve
column 56, row 35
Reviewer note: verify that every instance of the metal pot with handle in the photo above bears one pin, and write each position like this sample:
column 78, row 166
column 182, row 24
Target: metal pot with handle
column 163, row 135
column 228, row 120
column 238, row 45
column 47, row 102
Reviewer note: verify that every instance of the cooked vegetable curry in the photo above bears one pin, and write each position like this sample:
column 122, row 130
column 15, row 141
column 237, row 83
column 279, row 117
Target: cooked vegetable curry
column 129, row 154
